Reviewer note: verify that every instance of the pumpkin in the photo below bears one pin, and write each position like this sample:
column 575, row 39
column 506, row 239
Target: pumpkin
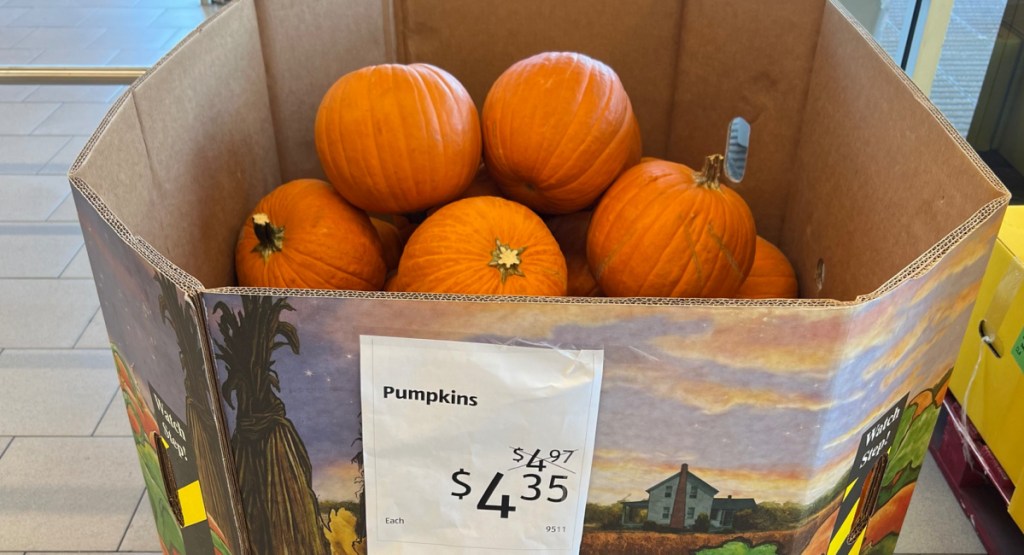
column 771, row 276
column 483, row 246
column 570, row 230
column 483, row 185
column 665, row 230
column 392, row 241
column 398, row 138
column 305, row 235
column 558, row 128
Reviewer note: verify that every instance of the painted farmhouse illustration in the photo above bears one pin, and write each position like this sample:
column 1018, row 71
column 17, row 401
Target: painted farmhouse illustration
column 678, row 500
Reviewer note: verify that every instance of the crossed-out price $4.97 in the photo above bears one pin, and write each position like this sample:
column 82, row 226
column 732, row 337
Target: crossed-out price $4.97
column 540, row 476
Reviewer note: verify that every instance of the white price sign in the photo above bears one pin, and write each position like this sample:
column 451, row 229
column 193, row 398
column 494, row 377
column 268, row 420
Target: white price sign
column 476, row 448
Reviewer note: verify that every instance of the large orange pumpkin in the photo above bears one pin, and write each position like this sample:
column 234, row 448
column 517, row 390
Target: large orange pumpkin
column 558, row 129
column 771, row 276
column 483, row 246
column 398, row 138
column 666, row 230
column 570, row 230
column 304, row 235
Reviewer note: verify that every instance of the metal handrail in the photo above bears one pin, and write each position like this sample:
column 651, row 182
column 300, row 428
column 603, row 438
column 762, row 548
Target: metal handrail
column 69, row 75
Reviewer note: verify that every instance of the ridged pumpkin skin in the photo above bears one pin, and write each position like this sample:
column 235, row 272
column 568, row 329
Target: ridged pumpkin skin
column 304, row 235
column 483, row 185
column 391, row 240
column 570, row 230
column 666, row 230
column 558, row 129
column 483, row 246
column 398, row 138
column 771, row 276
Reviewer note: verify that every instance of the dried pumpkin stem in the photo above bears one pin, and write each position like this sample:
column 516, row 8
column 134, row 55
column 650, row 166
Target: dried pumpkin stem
column 506, row 260
column 271, row 237
column 710, row 175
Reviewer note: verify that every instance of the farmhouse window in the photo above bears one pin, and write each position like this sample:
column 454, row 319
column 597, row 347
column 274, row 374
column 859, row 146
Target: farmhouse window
column 668, row 491
column 693, row 492
column 690, row 512
column 664, row 512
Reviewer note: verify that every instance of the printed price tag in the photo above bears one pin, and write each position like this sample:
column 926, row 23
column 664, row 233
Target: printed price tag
column 476, row 448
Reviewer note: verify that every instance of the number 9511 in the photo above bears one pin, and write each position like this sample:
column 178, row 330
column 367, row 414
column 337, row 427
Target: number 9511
column 555, row 529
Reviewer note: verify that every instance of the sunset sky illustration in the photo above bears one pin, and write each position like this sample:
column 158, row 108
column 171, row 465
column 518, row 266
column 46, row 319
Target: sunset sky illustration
column 763, row 402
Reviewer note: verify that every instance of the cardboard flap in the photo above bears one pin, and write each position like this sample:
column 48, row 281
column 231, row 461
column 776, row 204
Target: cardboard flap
column 881, row 176
column 336, row 37
column 477, row 40
column 752, row 60
column 208, row 141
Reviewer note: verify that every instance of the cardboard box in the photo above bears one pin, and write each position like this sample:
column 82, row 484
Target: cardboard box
column 988, row 380
column 814, row 414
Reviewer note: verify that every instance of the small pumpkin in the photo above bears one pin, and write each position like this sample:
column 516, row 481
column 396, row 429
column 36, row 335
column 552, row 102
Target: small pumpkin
column 558, row 128
column 483, row 185
column 483, row 246
column 305, row 235
column 771, row 276
column 666, row 230
column 391, row 239
column 398, row 138
column 570, row 230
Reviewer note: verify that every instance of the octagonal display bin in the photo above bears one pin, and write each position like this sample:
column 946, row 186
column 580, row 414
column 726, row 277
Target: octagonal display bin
column 795, row 426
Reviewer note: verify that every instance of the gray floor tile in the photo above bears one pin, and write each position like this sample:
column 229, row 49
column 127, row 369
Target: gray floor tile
column 183, row 17
column 128, row 37
column 137, row 57
column 66, row 212
column 31, row 197
column 48, row 17
column 90, row 486
column 73, row 3
column 61, row 162
column 95, row 335
column 8, row 14
column 935, row 523
column 137, row 16
column 37, row 250
column 27, row 154
column 73, row 118
column 79, row 266
column 18, row 118
column 45, row 313
column 4, row 442
column 16, row 93
column 75, row 56
column 141, row 534
column 64, row 401
column 75, row 93
column 18, row 56
column 115, row 420
column 45, row 37
column 13, row 35
column 98, row 360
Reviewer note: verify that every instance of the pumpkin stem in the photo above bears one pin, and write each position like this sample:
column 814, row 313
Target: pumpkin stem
column 711, row 175
column 506, row 260
column 271, row 237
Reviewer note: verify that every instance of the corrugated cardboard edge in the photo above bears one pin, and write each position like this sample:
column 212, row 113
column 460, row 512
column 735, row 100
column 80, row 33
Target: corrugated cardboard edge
column 929, row 258
column 189, row 285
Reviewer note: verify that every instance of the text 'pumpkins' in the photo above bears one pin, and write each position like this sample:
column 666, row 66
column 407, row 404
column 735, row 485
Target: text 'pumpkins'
column 666, row 230
column 304, row 235
column 398, row 138
column 482, row 246
column 558, row 128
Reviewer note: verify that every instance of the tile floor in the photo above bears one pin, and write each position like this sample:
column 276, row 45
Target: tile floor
column 69, row 479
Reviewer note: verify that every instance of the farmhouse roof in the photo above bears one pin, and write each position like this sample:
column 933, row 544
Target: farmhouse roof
column 675, row 478
column 733, row 504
